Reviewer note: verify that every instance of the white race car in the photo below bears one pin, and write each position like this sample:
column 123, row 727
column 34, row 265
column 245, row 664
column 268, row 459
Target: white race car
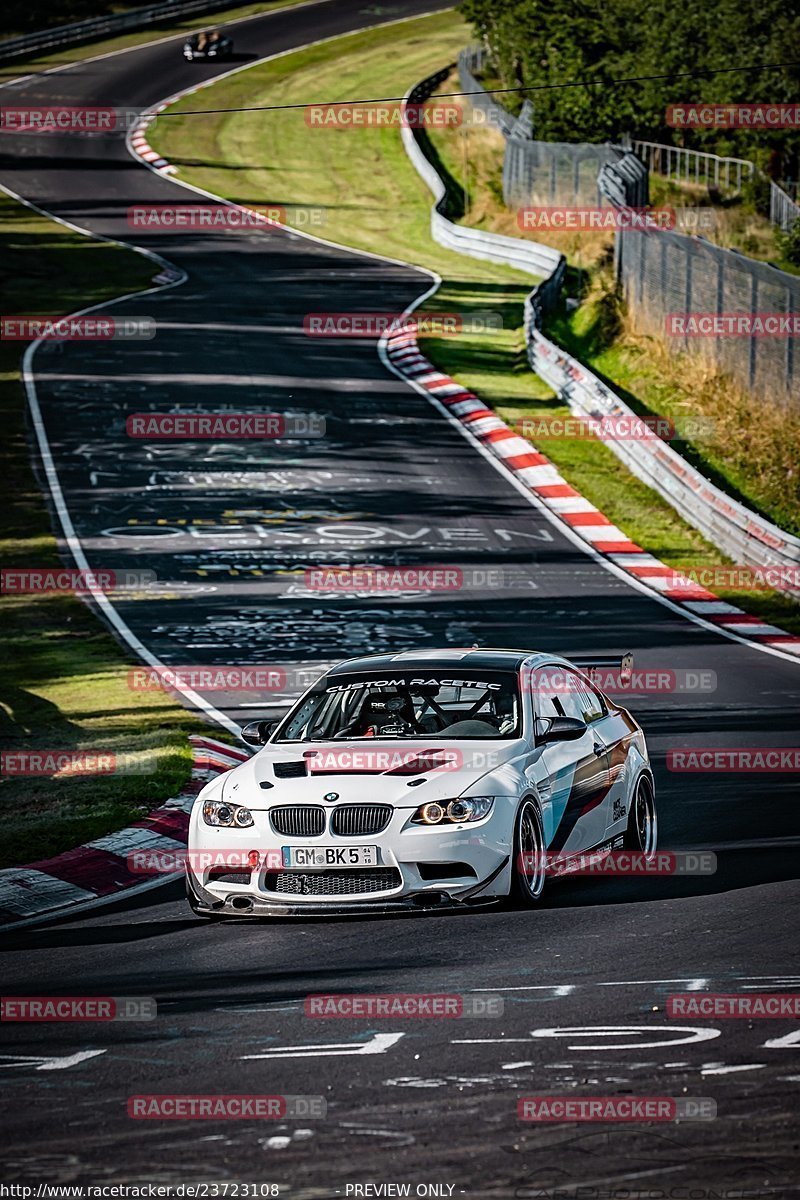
column 422, row 779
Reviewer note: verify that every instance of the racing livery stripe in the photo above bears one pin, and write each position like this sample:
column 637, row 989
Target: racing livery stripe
column 590, row 786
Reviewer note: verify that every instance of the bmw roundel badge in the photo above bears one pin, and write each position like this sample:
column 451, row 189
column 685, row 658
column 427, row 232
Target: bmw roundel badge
column 331, row 796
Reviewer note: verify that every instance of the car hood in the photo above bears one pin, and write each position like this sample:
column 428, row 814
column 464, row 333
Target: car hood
column 404, row 774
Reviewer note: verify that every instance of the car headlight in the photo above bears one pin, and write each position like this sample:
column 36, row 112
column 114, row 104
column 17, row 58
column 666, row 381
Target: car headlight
column 453, row 812
column 228, row 815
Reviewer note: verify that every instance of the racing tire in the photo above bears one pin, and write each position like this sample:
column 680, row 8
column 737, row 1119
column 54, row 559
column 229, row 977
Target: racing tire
column 641, row 834
column 528, row 871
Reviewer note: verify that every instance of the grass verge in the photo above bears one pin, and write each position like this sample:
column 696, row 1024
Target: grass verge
column 372, row 199
column 63, row 678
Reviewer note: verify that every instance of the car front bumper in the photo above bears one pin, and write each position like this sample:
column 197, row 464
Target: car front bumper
column 426, row 868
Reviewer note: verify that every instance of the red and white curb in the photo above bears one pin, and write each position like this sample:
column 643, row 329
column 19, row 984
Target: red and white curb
column 139, row 142
column 98, row 871
column 543, row 479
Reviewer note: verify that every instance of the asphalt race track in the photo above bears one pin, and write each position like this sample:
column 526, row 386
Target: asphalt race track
column 428, row 1102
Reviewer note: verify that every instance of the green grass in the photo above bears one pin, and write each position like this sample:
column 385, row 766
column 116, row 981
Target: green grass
column 63, row 678
column 369, row 195
column 373, row 199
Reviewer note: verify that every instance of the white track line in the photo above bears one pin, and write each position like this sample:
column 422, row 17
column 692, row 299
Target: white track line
column 73, row 541
column 497, row 464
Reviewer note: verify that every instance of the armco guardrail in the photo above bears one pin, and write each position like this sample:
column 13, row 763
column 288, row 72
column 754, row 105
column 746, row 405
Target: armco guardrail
column 740, row 533
column 494, row 247
column 98, row 27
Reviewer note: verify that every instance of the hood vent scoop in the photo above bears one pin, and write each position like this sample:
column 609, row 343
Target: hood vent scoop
column 289, row 770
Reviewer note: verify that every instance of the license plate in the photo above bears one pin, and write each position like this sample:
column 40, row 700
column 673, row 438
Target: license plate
column 330, row 856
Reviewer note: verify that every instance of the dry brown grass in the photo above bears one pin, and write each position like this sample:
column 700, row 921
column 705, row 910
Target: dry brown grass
column 481, row 149
column 736, row 224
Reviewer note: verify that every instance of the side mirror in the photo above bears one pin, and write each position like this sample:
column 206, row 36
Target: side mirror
column 560, row 729
column 258, row 733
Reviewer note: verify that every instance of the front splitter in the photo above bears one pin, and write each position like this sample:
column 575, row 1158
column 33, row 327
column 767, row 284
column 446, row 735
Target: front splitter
column 205, row 904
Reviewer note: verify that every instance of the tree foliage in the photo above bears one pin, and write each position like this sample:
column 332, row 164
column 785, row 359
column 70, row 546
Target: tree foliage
column 536, row 43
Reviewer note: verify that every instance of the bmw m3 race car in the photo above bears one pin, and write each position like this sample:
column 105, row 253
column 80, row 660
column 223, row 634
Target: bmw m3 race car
column 427, row 778
column 208, row 44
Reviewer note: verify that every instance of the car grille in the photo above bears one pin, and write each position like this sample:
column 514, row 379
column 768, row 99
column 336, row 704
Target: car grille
column 356, row 820
column 333, row 883
column 298, row 820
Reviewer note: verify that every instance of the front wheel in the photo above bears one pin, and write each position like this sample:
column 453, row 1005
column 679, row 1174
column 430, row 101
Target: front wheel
column 642, row 832
column 528, row 865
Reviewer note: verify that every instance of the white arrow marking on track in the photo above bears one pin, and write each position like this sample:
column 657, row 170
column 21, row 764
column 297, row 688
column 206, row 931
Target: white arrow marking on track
column 695, row 1034
column 380, row 1043
column 47, row 1064
column 783, row 1043
column 723, row 1070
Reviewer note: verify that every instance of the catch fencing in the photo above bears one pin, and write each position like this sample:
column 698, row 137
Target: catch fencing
column 474, row 59
column 91, row 30
column 537, row 172
column 743, row 535
column 665, row 274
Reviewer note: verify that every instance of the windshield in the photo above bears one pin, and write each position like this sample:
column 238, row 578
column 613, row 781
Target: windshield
column 437, row 704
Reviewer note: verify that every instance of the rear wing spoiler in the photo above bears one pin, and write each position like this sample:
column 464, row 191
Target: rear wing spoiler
column 589, row 664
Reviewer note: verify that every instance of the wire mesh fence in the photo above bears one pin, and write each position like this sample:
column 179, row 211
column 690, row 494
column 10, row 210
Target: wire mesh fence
column 536, row 172
column 554, row 172
column 732, row 310
column 471, row 60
